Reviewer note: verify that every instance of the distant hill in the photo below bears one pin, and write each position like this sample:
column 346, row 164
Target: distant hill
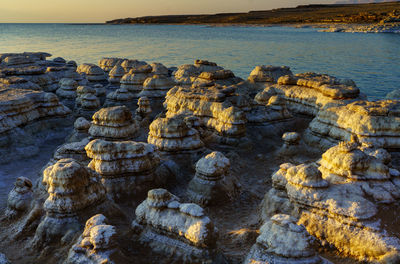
column 363, row 1
column 333, row 13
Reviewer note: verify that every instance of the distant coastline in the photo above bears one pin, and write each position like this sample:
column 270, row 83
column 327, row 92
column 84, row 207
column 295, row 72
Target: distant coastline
column 304, row 14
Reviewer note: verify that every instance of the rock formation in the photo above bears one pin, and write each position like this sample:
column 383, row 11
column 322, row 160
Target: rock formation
column 81, row 130
column 107, row 64
column 130, row 64
column 283, row 241
column 291, row 143
column 113, row 123
column 174, row 136
column 72, row 188
column 214, row 106
column 121, row 97
column 20, row 198
column 144, row 109
column 159, row 69
column 92, row 72
column 344, row 194
column 115, row 76
column 268, row 73
column 307, row 93
column 127, row 168
column 212, row 183
column 134, row 79
column 157, row 86
column 67, row 92
column 97, row 244
column 24, row 115
column 181, row 231
column 87, row 102
column 371, row 122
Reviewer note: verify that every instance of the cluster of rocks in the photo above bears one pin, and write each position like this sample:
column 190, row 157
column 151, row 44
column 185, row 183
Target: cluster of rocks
column 140, row 126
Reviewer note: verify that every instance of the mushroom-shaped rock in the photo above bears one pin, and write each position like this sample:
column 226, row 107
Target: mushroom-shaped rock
column 157, row 86
column 212, row 183
column 116, row 74
column 182, row 231
column 268, row 73
column 113, row 123
column 127, row 167
column 93, row 72
column 20, row 198
column 173, row 135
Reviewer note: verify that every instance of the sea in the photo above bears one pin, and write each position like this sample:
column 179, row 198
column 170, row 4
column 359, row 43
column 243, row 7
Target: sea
column 371, row 60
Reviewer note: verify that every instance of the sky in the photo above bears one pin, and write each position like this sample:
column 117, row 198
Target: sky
column 98, row 11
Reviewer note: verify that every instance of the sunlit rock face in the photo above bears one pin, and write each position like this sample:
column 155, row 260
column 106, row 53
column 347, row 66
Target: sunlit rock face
column 179, row 230
column 34, row 68
column 338, row 201
column 14, row 82
column 71, row 188
column 92, row 72
column 130, row 64
column 159, row 69
column 268, row 73
column 134, row 79
column 113, row 123
column 173, row 135
column 72, row 74
column 157, row 86
column 371, row 122
column 291, row 144
column 20, row 198
column 308, row 93
column 214, row 106
column 274, row 110
column 204, row 73
column 281, row 240
column 127, row 168
column 107, row 64
column 212, row 183
column 86, row 103
column 97, row 244
column 23, row 115
column 115, row 75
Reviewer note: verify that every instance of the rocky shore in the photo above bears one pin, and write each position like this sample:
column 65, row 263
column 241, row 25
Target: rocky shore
column 192, row 164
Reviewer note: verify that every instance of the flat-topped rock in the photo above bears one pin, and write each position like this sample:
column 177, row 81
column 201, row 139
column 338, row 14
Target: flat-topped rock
column 268, row 73
column 371, row 122
column 93, row 72
column 113, row 123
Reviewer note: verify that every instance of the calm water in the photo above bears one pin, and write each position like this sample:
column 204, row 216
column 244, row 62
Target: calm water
column 372, row 60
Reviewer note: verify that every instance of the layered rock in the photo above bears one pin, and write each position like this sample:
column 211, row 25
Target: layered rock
column 72, row 188
column 121, row 97
column 268, row 73
column 92, row 72
column 72, row 150
column 81, row 130
column 20, row 198
column 134, row 79
column 188, row 73
column 212, row 183
column 373, row 122
column 130, row 64
column 107, row 64
column 97, row 244
column 127, row 168
column 144, row 109
column 86, row 103
column 220, row 77
column 115, row 75
column 157, row 86
column 159, row 69
column 173, row 135
column 291, row 143
column 215, row 106
column 175, row 229
column 308, row 93
column 338, row 202
column 67, row 92
column 274, row 110
column 113, row 123
column 283, row 241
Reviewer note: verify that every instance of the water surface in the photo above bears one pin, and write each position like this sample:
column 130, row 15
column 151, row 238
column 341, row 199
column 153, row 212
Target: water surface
column 372, row 60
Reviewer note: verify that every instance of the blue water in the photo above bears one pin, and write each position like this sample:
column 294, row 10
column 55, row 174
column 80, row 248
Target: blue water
column 372, row 60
